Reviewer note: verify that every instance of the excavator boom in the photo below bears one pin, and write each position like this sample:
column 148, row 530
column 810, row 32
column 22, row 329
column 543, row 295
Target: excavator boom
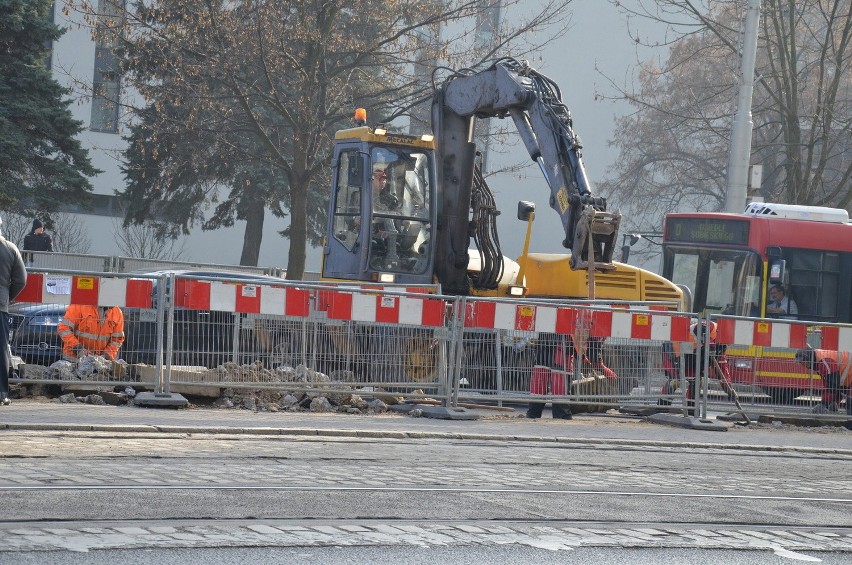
column 534, row 102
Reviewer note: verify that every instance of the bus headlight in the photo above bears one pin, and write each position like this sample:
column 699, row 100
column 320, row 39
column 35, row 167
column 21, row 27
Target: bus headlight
column 744, row 364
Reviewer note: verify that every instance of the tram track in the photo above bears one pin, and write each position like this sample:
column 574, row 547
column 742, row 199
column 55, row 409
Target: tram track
column 418, row 489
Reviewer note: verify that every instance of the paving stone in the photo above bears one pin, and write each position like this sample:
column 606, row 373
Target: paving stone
column 263, row 529
column 131, row 530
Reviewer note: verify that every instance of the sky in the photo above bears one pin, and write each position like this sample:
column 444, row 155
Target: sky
column 597, row 46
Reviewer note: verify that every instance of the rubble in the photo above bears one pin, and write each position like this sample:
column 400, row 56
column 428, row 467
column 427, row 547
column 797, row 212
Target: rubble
column 321, row 404
column 90, row 367
column 99, row 398
column 315, row 391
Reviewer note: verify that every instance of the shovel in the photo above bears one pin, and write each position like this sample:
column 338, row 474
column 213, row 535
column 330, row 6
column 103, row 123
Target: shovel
column 726, row 386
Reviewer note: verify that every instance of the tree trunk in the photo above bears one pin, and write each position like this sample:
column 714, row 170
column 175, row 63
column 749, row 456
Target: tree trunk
column 255, row 212
column 298, row 231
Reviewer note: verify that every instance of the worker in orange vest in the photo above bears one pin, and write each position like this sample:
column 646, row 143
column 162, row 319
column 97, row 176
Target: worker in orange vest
column 91, row 330
column 554, row 365
column 834, row 368
column 672, row 355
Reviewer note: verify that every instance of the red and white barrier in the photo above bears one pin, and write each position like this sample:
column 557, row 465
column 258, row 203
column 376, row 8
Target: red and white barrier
column 762, row 333
column 836, row 338
column 383, row 308
column 640, row 325
column 598, row 323
column 242, row 298
column 90, row 290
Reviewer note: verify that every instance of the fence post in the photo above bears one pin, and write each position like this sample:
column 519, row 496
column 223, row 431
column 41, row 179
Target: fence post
column 303, row 343
column 170, row 331
column 704, row 342
column 161, row 298
column 684, row 383
column 162, row 395
column 235, row 338
column 498, row 354
column 456, row 351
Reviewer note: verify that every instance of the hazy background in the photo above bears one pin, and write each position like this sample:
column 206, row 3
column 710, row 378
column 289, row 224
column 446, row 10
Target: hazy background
column 597, row 48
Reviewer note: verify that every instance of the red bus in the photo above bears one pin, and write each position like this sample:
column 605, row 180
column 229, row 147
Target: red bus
column 730, row 261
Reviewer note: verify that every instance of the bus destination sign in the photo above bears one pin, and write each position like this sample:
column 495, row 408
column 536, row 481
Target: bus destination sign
column 707, row 230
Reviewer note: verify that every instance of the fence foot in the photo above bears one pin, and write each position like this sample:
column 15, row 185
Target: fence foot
column 449, row 413
column 159, row 399
column 690, row 422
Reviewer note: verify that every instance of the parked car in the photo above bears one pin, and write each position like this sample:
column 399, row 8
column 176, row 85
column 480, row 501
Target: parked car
column 32, row 332
column 200, row 337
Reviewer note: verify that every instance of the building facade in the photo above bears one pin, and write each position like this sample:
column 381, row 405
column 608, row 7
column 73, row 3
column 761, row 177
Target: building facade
column 82, row 61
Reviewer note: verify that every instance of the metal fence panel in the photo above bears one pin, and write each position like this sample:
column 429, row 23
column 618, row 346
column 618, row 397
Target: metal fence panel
column 245, row 331
column 69, row 261
column 43, row 304
column 504, row 341
column 334, row 338
column 761, row 357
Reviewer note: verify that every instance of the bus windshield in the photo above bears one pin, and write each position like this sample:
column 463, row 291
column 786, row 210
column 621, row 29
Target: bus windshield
column 722, row 281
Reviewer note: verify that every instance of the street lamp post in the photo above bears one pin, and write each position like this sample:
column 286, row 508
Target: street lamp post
column 740, row 150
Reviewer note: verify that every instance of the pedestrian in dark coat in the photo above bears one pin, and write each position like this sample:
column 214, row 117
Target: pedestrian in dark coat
column 13, row 278
column 37, row 240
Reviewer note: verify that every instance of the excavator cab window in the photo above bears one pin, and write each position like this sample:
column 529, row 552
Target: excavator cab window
column 347, row 212
column 399, row 202
column 355, row 166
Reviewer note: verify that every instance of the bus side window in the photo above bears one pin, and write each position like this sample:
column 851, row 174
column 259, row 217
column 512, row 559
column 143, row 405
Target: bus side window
column 814, row 283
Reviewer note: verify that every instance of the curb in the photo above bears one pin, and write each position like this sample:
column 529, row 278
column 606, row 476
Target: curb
column 401, row 434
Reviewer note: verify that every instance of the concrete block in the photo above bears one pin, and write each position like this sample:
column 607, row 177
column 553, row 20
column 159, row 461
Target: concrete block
column 690, row 422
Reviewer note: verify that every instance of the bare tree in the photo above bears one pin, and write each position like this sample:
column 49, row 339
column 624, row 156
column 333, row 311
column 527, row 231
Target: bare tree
column 69, row 235
column 674, row 146
column 236, row 91
column 16, row 226
column 148, row 240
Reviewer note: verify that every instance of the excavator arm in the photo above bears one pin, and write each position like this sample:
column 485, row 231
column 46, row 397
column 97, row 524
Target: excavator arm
column 534, row 102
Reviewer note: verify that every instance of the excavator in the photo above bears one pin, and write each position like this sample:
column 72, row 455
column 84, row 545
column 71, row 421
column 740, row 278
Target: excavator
column 416, row 210
column 406, row 209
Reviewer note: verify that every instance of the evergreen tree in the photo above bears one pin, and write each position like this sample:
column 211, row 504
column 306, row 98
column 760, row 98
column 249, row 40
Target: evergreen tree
column 41, row 160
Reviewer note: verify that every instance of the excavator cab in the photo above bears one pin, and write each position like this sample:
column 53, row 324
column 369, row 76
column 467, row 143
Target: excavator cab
column 381, row 217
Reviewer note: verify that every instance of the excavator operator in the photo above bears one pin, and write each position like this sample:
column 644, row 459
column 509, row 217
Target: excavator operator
column 383, row 232
column 384, row 200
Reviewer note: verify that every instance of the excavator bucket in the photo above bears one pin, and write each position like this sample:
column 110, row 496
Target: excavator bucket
column 602, row 228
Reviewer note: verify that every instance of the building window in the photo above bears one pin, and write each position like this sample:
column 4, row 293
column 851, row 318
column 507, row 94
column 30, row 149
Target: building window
column 98, row 205
column 106, row 85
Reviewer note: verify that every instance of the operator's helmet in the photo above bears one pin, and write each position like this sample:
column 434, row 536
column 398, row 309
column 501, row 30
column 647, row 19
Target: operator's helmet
column 380, row 175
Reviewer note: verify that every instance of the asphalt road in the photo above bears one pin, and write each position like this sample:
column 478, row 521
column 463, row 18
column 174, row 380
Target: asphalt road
column 97, row 478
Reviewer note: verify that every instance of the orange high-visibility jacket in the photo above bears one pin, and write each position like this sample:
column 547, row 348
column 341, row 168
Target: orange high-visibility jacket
column 82, row 325
column 828, row 362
